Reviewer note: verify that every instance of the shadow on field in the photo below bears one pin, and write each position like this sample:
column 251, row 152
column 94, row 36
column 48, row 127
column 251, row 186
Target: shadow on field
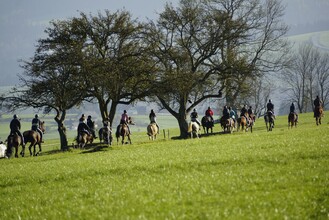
column 92, row 148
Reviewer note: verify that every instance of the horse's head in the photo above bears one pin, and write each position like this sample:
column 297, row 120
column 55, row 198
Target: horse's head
column 43, row 127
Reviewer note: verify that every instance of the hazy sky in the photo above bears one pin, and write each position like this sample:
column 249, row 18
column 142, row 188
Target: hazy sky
column 22, row 23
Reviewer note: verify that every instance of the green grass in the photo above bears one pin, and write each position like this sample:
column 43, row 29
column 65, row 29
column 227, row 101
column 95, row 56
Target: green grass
column 283, row 174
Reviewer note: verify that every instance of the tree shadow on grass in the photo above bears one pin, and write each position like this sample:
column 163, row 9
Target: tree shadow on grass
column 92, row 148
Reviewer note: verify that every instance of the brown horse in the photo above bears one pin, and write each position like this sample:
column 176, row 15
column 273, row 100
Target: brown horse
column 123, row 131
column 34, row 138
column 292, row 120
column 242, row 122
column 84, row 139
column 152, row 131
column 13, row 140
column 318, row 114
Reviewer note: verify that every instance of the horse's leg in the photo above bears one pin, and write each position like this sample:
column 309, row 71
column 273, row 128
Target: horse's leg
column 16, row 151
column 129, row 138
column 23, row 151
column 30, row 148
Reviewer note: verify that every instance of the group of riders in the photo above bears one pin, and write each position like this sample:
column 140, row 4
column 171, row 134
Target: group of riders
column 15, row 127
column 88, row 126
column 229, row 113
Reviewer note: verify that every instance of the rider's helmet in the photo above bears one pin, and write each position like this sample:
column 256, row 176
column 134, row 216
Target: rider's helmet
column 270, row 100
column 15, row 116
column 36, row 116
column 89, row 116
column 124, row 111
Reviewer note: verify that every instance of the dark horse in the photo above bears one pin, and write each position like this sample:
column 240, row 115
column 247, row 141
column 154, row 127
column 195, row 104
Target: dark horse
column 13, row 140
column 207, row 122
column 318, row 113
column 123, row 131
column 34, row 138
column 105, row 133
column 269, row 120
column 292, row 119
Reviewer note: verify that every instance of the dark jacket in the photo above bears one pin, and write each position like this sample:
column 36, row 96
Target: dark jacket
column 15, row 125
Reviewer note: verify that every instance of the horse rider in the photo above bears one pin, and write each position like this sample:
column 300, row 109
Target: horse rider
column 292, row 110
column 83, row 118
column 232, row 114
column 244, row 112
column 317, row 105
column 91, row 125
column 270, row 108
column 83, row 127
column 251, row 113
column 194, row 117
column 153, row 119
column 15, row 127
column 124, row 120
column 36, row 125
column 210, row 113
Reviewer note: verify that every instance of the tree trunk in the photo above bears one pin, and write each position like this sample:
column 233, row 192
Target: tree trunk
column 103, row 109
column 183, row 126
column 112, row 112
column 60, row 117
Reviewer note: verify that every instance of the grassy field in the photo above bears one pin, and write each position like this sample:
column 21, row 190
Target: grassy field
column 283, row 174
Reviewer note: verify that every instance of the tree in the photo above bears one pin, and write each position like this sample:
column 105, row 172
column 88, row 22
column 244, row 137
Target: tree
column 51, row 79
column 207, row 48
column 306, row 75
column 116, row 69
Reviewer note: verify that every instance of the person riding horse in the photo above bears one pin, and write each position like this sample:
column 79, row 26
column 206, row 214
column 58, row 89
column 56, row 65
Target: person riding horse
column 153, row 119
column 251, row 114
column 317, row 105
column 270, row 109
column 36, row 125
column 15, row 127
column 194, row 117
column 91, row 125
column 83, row 127
column 232, row 115
column 210, row 113
column 292, row 110
column 124, row 120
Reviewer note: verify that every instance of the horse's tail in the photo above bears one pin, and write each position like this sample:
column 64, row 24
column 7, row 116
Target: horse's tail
column 189, row 129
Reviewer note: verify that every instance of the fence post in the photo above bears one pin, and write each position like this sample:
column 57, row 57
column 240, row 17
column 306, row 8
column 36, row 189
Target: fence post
column 164, row 133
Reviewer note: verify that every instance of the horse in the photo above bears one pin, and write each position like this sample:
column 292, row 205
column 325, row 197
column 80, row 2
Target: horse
column 252, row 119
column 207, row 122
column 269, row 120
column 84, row 138
column 152, row 131
column 318, row 114
column 34, row 138
column 13, row 140
column 230, row 125
column 193, row 129
column 292, row 120
column 105, row 133
column 242, row 122
column 123, row 131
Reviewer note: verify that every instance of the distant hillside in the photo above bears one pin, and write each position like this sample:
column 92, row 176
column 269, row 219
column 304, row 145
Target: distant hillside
column 318, row 39
column 304, row 16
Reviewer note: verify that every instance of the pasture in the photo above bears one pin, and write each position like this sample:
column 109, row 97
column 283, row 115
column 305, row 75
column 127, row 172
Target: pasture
column 283, row 174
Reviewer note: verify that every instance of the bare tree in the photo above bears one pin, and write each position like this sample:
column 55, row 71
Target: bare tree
column 307, row 76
